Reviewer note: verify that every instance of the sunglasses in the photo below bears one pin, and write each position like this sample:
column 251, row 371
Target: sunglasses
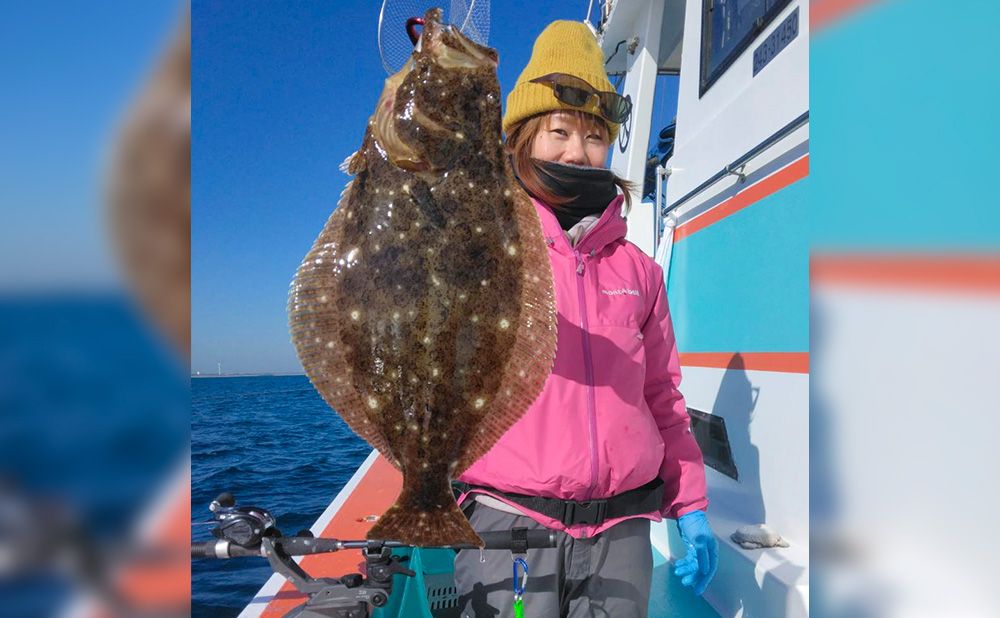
column 577, row 92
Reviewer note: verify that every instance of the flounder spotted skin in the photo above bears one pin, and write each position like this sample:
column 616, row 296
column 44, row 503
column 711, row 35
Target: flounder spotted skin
column 424, row 313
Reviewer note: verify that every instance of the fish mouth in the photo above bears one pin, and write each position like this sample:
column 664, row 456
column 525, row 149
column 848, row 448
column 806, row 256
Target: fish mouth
column 447, row 47
column 386, row 136
column 451, row 49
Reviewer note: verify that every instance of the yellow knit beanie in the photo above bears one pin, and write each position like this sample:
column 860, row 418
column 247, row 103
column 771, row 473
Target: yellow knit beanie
column 563, row 47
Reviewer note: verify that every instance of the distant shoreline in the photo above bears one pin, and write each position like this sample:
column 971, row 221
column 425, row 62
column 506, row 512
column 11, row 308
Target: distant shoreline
column 246, row 375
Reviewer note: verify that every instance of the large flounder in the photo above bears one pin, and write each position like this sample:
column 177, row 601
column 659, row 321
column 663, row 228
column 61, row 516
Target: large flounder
column 424, row 313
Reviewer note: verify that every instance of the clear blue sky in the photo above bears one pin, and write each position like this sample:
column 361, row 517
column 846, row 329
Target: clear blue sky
column 69, row 70
column 281, row 95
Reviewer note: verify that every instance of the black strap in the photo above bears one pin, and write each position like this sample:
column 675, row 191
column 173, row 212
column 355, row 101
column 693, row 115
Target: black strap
column 519, row 540
column 638, row 501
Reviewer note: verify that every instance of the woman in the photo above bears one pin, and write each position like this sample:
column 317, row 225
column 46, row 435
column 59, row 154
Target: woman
column 607, row 446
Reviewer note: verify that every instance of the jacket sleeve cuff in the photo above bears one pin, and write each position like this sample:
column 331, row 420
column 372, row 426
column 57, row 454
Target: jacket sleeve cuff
column 676, row 510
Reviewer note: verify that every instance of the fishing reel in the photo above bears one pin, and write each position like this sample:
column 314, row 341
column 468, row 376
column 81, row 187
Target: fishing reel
column 242, row 525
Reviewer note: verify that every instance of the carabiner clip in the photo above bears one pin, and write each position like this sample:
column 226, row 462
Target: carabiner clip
column 522, row 581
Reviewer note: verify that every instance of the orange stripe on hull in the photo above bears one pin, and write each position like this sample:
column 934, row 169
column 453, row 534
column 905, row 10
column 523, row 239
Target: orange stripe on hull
column 374, row 494
column 784, row 362
column 975, row 274
column 163, row 585
column 756, row 192
column 823, row 13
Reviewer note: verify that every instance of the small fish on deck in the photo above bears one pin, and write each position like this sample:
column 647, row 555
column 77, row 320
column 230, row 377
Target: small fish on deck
column 424, row 313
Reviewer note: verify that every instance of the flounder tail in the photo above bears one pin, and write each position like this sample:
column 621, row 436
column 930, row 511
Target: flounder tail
column 439, row 527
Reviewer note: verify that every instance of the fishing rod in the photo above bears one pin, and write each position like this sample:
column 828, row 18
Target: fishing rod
column 250, row 531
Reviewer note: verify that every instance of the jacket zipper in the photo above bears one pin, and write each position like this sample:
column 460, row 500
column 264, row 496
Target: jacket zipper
column 589, row 368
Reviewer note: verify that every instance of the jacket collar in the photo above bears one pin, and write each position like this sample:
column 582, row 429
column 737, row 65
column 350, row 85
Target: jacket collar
column 609, row 228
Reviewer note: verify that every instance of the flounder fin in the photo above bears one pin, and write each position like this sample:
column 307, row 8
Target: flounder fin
column 355, row 163
column 315, row 312
column 534, row 351
column 349, row 162
column 345, row 191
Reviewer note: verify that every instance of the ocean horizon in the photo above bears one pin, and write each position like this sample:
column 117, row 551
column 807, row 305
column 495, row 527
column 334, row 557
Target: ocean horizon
column 246, row 375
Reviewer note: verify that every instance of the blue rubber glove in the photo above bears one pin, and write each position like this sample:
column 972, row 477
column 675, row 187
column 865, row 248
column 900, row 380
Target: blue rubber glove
column 697, row 568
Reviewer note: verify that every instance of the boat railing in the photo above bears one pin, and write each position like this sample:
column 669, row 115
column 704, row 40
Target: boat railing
column 733, row 169
column 661, row 177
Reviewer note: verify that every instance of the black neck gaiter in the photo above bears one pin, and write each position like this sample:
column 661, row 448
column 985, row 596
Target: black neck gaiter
column 592, row 189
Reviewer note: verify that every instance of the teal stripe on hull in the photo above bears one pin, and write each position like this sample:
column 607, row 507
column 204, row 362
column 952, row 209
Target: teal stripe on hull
column 902, row 128
column 742, row 283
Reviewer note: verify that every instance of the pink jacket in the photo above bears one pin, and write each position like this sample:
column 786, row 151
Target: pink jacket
column 610, row 417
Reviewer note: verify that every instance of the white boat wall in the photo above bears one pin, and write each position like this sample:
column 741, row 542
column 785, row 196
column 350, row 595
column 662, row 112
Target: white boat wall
column 735, row 251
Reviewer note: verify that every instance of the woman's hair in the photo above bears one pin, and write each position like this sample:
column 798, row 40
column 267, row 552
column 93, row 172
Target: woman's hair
column 519, row 141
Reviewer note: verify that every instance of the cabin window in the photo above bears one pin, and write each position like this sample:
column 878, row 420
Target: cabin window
column 727, row 29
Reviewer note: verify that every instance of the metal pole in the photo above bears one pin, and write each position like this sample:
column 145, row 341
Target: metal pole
column 658, row 208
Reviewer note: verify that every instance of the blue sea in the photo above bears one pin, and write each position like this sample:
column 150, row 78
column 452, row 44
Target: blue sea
column 274, row 443
column 93, row 421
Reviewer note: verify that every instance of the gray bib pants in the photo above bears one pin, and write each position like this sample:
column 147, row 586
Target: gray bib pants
column 608, row 575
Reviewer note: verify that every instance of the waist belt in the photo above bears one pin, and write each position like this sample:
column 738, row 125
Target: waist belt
column 638, row 501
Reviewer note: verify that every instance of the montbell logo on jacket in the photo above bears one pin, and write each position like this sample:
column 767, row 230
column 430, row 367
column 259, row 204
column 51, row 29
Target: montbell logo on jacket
column 610, row 410
column 620, row 291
